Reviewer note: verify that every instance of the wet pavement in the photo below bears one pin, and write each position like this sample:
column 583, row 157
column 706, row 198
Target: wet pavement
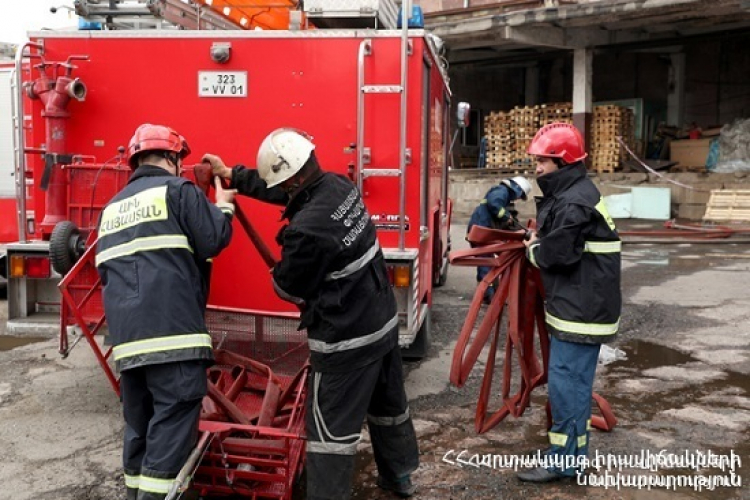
column 683, row 391
column 681, row 394
column 8, row 342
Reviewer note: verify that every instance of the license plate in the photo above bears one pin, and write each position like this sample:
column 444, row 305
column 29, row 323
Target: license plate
column 222, row 84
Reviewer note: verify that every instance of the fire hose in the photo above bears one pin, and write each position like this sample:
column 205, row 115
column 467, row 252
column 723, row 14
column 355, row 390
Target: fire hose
column 204, row 180
column 521, row 292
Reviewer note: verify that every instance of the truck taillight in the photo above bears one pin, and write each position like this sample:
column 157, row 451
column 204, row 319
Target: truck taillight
column 399, row 275
column 37, row 267
column 27, row 266
column 17, row 268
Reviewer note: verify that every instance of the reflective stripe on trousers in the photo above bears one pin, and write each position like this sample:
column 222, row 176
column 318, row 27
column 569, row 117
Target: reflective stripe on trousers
column 336, row 408
column 572, row 368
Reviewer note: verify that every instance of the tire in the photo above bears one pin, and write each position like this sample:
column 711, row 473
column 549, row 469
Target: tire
column 422, row 342
column 441, row 273
column 442, row 278
column 65, row 247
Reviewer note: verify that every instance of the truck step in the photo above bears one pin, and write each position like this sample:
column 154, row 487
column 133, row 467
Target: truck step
column 382, row 89
column 381, row 172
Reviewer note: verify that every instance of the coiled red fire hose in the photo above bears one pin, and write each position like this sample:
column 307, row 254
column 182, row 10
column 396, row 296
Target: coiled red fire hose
column 520, row 290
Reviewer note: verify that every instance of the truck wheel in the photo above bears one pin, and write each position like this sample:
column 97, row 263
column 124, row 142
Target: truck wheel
column 65, row 247
column 421, row 345
column 441, row 274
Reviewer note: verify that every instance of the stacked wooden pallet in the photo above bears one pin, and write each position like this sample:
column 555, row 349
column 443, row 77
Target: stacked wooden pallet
column 510, row 133
column 609, row 123
column 561, row 112
column 526, row 121
column 498, row 129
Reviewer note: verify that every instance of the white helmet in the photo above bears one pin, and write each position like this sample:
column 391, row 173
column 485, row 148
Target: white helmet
column 282, row 154
column 521, row 182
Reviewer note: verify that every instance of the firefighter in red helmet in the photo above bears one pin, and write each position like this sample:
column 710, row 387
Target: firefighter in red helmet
column 332, row 267
column 577, row 250
column 155, row 238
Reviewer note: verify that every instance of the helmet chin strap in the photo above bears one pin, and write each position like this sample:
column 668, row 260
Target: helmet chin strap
column 292, row 186
column 174, row 159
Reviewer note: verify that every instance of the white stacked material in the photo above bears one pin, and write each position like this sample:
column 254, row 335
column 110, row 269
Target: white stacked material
column 734, row 147
column 352, row 13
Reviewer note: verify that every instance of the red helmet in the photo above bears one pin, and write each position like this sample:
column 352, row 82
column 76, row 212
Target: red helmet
column 558, row 140
column 150, row 137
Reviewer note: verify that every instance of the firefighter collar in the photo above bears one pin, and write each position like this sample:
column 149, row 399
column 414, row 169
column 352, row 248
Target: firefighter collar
column 302, row 195
column 562, row 179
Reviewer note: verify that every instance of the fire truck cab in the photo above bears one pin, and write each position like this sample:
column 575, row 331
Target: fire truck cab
column 377, row 103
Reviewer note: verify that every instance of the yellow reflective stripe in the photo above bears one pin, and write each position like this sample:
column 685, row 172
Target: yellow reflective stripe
column 557, row 439
column 602, row 209
column 160, row 344
column 532, row 257
column 132, row 481
column 582, row 328
column 483, row 202
column 588, row 424
column 145, row 244
column 155, row 485
column 602, row 246
column 581, row 441
column 501, row 213
column 147, row 206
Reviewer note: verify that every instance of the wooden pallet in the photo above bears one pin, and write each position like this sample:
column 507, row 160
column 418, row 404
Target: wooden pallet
column 728, row 205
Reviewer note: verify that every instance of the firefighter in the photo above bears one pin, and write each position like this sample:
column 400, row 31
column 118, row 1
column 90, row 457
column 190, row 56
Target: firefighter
column 155, row 237
column 332, row 267
column 577, row 250
column 496, row 211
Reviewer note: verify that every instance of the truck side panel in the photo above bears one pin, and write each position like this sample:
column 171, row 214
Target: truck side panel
column 309, row 82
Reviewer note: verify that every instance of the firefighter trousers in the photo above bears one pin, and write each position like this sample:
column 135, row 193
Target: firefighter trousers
column 570, row 381
column 161, row 405
column 337, row 404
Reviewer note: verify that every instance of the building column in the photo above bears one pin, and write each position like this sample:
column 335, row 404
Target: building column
column 676, row 95
column 582, row 98
column 531, row 92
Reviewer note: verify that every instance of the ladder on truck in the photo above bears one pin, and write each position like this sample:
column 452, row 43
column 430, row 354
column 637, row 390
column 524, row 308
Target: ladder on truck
column 188, row 14
column 363, row 152
column 152, row 14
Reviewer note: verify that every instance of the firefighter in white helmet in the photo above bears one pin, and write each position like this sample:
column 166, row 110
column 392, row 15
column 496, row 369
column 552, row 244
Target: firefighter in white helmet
column 496, row 211
column 332, row 267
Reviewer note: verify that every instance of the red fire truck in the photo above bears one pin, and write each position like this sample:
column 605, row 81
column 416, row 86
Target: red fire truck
column 8, row 216
column 376, row 102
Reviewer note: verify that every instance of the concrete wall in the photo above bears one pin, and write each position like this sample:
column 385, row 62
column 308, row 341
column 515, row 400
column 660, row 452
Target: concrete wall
column 467, row 188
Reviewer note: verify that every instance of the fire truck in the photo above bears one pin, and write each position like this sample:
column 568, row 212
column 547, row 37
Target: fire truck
column 377, row 103
column 8, row 218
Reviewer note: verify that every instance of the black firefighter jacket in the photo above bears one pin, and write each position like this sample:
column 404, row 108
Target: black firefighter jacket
column 332, row 267
column 155, row 237
column 578, row 254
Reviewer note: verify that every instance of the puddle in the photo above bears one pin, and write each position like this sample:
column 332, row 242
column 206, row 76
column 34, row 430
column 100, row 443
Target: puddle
column 688, row 395
column 644, row 355
column 8, row 342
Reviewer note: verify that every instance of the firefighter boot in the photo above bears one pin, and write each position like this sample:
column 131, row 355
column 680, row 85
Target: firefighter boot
column 131, row 494
column 147, row 495
column 402, row 487
column 539, row 475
